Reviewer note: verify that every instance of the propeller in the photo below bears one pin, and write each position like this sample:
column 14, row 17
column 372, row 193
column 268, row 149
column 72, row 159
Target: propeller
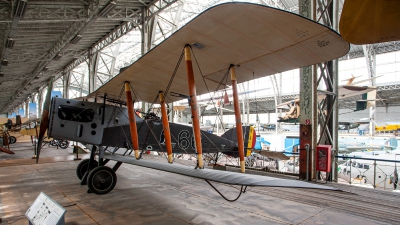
column 44, row 122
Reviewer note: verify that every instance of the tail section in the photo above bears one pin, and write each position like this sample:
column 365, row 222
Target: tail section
column 249, row 134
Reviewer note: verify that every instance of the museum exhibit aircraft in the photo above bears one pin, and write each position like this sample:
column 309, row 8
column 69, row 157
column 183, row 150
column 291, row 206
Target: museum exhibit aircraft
column 350, row 125
column 349, row 147
column 347, row 90
column 7, row 125
column 371, row 171
column 242, row 40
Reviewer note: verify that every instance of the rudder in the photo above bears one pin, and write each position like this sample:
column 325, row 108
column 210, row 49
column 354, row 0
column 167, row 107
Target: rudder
column 249, row 136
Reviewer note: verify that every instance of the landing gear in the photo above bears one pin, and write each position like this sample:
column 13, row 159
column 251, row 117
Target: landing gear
column 63, row 144
column 83, row 168
column 12, row 139
column 101, row 180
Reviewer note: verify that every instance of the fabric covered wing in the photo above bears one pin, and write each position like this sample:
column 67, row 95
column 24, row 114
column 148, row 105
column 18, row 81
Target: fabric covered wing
column 259, row 40
column 219, row 176
column 370, row 21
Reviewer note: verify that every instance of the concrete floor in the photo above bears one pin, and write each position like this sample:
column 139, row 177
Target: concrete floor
column 145, row 196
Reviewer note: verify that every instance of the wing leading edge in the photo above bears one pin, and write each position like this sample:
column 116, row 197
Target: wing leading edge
column 258, row 39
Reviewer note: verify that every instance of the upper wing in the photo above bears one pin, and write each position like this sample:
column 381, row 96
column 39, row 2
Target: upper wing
column 370, row 21
column 259, row 40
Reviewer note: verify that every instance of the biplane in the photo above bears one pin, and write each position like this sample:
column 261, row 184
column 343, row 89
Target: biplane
column 7, row 125
column 231, row 41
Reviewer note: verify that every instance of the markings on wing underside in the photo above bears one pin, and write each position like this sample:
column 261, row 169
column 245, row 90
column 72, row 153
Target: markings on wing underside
column 301, row 33
column 323, row 43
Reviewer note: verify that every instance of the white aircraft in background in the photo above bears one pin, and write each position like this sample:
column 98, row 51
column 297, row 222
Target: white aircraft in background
column 361, row 170
column 349, row 147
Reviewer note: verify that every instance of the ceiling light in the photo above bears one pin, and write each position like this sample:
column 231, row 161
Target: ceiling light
column 76, row 39
column 1, row 74
column 4, row 62
column 20, row 9
column 10, row 43
column 45, row 68
column 57, row 57
column 107, row 9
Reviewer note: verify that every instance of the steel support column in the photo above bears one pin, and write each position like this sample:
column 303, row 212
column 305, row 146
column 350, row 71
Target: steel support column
column 335, row 113
column 92, row 66
column 40, row 102
column 26, row 108
column 306, row 106
column 66, row 77
column 327, row 114
column 370, row 57
column 146, row 28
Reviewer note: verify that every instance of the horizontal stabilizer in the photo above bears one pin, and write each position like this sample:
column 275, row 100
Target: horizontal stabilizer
column 224, row 177
column 272, row 155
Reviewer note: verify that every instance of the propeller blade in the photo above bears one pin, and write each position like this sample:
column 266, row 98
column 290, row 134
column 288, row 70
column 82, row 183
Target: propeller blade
column 44, row 122
column 6, row 151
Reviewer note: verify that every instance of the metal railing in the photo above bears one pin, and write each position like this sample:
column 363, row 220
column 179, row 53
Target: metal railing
column 369, row 172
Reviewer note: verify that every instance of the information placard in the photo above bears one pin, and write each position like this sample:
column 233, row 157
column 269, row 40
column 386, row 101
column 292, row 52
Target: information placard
column 45, row 211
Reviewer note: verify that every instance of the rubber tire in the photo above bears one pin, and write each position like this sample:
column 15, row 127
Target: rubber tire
column 12, row 139
column 82, row 168
column 53, row 143
column 101, row 180
column 63, row 144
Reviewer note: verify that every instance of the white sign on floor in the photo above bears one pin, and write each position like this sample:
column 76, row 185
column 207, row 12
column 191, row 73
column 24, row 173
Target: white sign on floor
column 45, row 211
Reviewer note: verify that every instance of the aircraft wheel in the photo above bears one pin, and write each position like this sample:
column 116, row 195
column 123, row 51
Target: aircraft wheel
column 101, row 180
column 83, row 168
column 64, row 144
column 53, row 143
column 12, row 139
